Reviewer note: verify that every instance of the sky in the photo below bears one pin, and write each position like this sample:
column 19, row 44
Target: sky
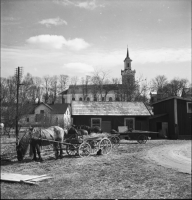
column 77, row 38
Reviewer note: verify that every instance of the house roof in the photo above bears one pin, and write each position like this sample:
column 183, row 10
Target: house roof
column 55, row 108
column 173, row 97
column 109, row 108
column 59, row 108
column 44, row 104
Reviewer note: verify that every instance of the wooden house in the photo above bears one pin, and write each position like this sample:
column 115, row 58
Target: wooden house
column 52, row 114
column 110, row 115
column 172, row 116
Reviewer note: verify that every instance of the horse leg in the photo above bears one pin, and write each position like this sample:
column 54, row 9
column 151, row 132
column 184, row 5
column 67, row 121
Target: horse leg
column 61, row 151
column 34, row 152
column 56, row 150
column 39, row 152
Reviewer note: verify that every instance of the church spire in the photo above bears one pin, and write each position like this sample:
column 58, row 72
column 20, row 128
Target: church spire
column 127, row 52
column 127, row 57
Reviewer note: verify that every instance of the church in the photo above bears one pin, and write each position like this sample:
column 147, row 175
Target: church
column 107, row 92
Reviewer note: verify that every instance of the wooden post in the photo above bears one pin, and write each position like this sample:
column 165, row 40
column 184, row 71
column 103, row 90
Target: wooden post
column 18, row 77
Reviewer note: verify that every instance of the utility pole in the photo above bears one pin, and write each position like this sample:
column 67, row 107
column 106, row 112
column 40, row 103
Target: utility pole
column 18, row 80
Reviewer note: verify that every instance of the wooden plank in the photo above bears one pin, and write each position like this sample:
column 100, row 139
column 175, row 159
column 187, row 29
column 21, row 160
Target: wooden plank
column 45, row 175
column 29, row 182
column 31, row 179
column 39, row 178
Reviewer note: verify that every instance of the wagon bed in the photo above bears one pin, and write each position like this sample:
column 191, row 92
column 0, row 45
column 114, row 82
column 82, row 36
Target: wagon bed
column 139, row 135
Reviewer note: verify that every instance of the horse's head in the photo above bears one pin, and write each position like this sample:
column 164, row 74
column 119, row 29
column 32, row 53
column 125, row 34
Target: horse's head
column 21, row 148
column 72, row 131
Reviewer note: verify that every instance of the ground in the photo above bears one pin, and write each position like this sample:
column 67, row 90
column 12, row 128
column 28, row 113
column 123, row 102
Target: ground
column 143, row 171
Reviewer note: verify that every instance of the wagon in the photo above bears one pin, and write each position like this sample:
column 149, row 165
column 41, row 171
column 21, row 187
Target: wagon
column 88, row 144
column 140, row 136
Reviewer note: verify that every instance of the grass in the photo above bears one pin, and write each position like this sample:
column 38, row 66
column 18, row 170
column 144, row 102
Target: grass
column 124, row 173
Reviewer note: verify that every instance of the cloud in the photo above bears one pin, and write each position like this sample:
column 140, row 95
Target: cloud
column 79, row 68
column 77, row 44
column 89, row 5
column 57, row 42
column 162, row 55
column 54, row 21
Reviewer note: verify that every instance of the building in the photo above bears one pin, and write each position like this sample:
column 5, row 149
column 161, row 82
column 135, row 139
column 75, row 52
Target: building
column 43, row 114
column 110, row 115
column 107, row 92
column 172, row 117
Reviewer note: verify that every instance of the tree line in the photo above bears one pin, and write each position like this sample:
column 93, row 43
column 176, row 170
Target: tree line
column 47, row 89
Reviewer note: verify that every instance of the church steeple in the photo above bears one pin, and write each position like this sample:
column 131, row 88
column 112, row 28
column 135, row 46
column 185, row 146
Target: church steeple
column 127, row 73
column 127, row 53
column 127, row 61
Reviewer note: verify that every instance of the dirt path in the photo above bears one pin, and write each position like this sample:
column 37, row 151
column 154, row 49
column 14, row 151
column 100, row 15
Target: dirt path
column 176, row 156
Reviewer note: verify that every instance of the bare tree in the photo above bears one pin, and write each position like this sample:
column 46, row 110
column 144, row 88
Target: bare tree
column 8, row 105
column 54, row 88
column 175, row 87
column 74, row 81
column 47, row 86
column 99, row 79
column 63, row 82
column 38, row 89
column 85, row 86
column 158, row 83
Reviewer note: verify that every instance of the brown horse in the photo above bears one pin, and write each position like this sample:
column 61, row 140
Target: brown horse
column 38, row 137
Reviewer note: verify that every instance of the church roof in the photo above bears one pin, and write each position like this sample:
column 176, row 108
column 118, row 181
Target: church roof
column 79, row 88
column 109, row 108
column 127, row 57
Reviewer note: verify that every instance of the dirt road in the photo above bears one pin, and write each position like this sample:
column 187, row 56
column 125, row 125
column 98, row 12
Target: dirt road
column 174, row 156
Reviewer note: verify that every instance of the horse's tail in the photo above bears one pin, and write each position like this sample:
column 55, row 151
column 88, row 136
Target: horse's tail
column 31, row 150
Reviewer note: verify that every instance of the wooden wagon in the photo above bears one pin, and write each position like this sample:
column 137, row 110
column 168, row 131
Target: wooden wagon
column 91, row 144
column 140, row 136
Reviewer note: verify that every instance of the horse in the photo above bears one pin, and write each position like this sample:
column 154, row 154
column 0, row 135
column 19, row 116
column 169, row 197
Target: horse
column 94, row 129
column 77, row 131
column 34, row 137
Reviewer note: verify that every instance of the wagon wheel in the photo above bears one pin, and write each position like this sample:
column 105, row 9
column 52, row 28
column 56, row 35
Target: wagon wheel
column 142, row 139
column 105, row 146
column 84, row 149
column 71, row 150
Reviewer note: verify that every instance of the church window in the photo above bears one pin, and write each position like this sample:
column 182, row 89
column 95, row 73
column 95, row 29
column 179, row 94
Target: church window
column 110, row 99
column 73, row 99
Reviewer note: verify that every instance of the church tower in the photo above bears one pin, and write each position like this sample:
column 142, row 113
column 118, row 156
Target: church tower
column 127, row 74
